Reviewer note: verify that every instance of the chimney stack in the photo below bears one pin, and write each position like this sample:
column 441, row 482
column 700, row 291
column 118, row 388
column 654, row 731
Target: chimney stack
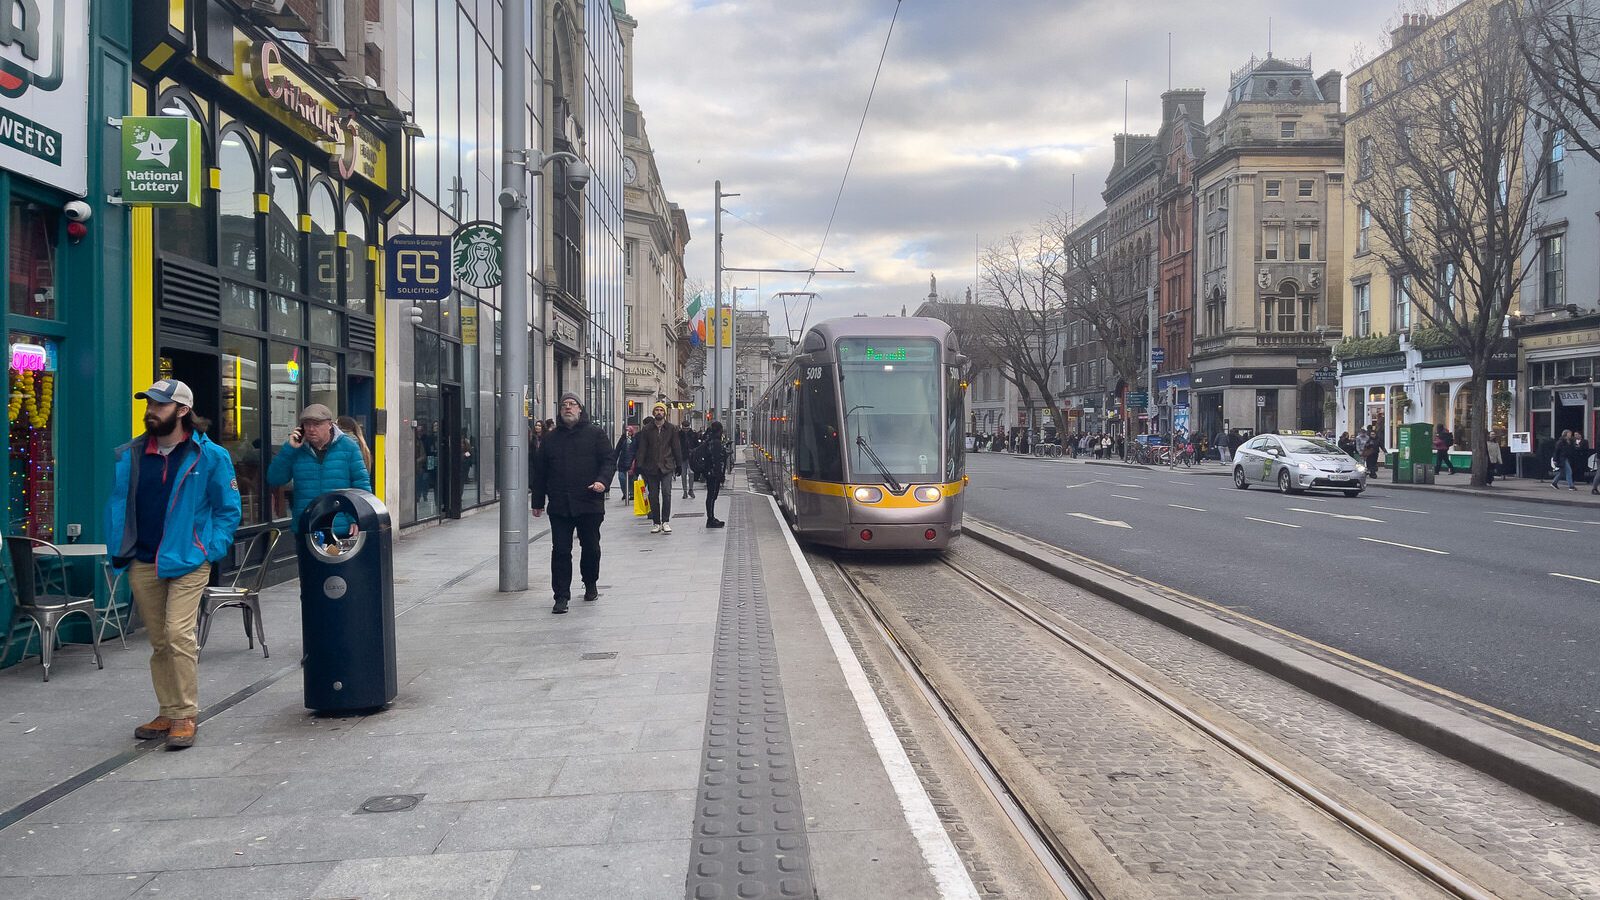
column 1190, row 100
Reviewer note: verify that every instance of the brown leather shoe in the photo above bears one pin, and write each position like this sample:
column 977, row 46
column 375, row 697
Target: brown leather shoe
column 155, row 728
column 181, row 735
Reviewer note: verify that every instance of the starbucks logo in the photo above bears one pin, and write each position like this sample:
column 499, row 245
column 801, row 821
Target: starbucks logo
column 476, row 249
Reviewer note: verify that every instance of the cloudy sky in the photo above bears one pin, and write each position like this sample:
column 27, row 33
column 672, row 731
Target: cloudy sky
column 983, row 114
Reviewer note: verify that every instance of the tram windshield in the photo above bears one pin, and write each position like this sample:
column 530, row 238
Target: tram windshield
column 893, row 417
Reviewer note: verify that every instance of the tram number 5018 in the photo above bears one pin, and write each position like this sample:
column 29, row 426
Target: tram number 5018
column 813, row 373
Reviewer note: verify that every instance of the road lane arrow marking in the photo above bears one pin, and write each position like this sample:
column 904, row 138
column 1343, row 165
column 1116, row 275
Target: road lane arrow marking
column 1099, row 521
column 1082, row 484
column 1318, row 512
column 1407, row 546
column 1271, row 522
column 1124, row 497
column 1540, row 527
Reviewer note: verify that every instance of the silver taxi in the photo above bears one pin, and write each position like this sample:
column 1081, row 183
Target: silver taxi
column 1296, row 464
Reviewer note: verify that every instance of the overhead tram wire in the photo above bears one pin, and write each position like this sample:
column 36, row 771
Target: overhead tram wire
column 857, row 143
column 776, row 237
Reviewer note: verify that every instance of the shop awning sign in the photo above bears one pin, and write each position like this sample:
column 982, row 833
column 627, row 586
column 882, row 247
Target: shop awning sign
column 160, row 161
column 44, row 92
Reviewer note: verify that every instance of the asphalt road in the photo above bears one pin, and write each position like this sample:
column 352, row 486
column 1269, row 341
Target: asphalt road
column 1464, row 592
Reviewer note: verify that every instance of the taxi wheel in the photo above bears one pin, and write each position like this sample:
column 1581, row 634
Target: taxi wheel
column 1239, row 481
column 1285, row 482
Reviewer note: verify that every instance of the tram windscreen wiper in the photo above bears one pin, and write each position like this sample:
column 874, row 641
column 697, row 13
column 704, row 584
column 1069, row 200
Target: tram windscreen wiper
column 894, row 485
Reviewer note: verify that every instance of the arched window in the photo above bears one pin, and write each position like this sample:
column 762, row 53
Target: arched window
column 323, row 279
column 236, row 206
column 185, row 230
column 358, row 270
column 1288, row 301
column 283, row 226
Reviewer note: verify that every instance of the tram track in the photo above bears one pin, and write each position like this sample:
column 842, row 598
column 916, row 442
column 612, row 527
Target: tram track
column 1054, row 854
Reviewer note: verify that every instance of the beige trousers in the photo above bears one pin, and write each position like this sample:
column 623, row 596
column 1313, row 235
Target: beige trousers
column 170, row 608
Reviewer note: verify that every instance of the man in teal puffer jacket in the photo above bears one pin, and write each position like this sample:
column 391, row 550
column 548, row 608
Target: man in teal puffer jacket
column 173, row 510
column 318, row 458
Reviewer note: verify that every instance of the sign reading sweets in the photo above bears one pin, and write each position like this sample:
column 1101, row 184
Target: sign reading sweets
column 476, row 249
column 44, row 91
column 160, row 161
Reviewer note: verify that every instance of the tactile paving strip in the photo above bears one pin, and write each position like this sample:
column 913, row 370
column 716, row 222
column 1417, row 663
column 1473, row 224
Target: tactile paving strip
column 749, row 829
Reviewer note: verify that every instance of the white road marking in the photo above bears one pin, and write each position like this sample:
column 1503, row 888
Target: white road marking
column 949, row 872
column 1083, row 484
column 1544, row 518
column 1114, row 523
column 1540, row 527
column 1175, row 481
column 1124, row 497
column 1271, row 522
column 1181, row 506
column 1398, row 509
column 1120, row 484
column 1407, row 546
column 1318, row 512
column 1577, row 578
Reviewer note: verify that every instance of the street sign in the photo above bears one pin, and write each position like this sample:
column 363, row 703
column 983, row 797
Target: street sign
column 476, row 250
column 1158, row 355
column 160, row 161
column 1138, row 399
column 417, row 266
column 469, row 325
column 1326, row 375
column 1260, row 400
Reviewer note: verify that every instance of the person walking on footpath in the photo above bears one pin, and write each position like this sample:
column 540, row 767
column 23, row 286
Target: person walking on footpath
column 687, row 441
column 1561, row 462
column 173, row 511
column 710, row 460
column 627, row 445
column 318, row 458
column 570, row 474
column 1443, row 440
column 352, row 428
column 656, row 460
column 1372, row 451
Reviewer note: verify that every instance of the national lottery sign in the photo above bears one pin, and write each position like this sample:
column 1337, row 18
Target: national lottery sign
column 44, row 91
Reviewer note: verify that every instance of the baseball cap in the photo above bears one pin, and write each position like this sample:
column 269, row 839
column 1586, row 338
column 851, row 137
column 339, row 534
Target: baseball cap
column 316, row 412
column 168, row 390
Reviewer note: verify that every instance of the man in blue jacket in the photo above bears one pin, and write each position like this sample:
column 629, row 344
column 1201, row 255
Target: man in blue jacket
column 173, row 510
column 318, row 458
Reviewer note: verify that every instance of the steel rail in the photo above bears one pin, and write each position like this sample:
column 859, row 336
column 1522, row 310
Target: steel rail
column 1396, row 846
column 1053, row 856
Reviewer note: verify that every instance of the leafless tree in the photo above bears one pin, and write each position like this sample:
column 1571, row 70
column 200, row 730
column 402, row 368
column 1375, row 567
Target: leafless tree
column 1447, row 175
column 1560, row 43
column 1022, row 287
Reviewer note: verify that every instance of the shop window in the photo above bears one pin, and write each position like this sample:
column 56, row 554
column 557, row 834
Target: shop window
column 323, row 278
column 283, row 228
column 358, row 269
column 236, row 209
column 241, row 306
column 238, row 429
column 324, row 326
column 31, row 498
column 285, row 317
column 324, row 379
column 283, row 406
column 34, row 230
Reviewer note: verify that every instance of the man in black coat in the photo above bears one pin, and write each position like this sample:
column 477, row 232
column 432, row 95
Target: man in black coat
column 573, row 467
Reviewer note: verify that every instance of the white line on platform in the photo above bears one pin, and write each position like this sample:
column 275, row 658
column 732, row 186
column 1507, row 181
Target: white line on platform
column 1576, row 578
column 1407, row 546
column 949, row 873
column 1540, row 527
column 1181, row 506
column 1124, row 497
column 1271, row 522
column 1398, row 509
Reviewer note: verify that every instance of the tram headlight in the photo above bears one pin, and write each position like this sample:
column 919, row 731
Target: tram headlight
column 929, row 494
column 868, row 495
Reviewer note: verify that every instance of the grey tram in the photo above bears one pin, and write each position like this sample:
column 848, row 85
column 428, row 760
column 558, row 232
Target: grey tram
column 861, row 435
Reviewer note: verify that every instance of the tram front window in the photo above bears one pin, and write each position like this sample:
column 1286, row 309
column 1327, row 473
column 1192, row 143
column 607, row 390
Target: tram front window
column 893, row 417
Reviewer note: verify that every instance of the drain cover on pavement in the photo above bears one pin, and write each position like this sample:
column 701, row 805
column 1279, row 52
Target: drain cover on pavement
column 611, row 655
column 390, row 803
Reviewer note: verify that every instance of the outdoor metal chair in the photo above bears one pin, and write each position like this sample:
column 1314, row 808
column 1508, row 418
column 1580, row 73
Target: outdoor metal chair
column 43, row 609
column 111, row 615
column 245, row 597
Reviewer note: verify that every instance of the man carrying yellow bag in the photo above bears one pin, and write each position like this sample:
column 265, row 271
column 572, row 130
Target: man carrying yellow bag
column 641, row 497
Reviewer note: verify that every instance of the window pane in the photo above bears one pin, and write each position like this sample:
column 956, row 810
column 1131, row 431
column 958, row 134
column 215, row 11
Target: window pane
column 285, row 317
column 33, row 260
column 324, row 326
column 241, row 305
column 236, row 209
column 185, row 230
column 285, row 403
column 239, row 427
column 324, row 281
column 358, row 269
column 283, row 230
column 324, row 385
column 31, row 496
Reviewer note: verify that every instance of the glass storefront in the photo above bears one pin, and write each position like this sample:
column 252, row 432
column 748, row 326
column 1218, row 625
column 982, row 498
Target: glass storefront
column 32, row 275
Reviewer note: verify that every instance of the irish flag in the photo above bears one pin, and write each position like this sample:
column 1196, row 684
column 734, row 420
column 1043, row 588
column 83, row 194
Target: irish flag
column 697, row 321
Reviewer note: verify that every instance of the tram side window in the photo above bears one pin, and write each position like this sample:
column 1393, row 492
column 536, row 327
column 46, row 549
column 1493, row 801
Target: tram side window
column 954, row 436
column 817, row 431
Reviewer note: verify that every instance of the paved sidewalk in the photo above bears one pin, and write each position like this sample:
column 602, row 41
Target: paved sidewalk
column 556, row 756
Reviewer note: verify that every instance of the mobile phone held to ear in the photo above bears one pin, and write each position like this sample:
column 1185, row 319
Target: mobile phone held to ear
column 299, row 435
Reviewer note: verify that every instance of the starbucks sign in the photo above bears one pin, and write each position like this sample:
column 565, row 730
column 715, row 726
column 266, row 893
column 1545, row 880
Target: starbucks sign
column 476, row 250
column 160, row 161
column 44, row 91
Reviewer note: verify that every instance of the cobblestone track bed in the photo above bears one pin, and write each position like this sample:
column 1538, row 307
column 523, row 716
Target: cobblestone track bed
column 1178, row 815
column 1512, row 843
